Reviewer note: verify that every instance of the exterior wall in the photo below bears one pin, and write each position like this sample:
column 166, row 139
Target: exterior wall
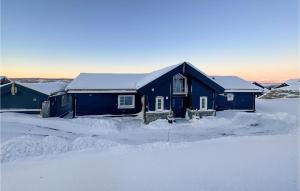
column 59, row 107
column 25, row 98
column 241, row 101
column 198, row 90
column 163, row 86
column 103, row 103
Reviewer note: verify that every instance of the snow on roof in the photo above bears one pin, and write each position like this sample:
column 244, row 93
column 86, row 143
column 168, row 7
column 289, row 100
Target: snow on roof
column 2, row 77
column 102, row 81
column 235, row 84
column 107, row 82
column 292, row 81
column 154, row 75
column 292, row 84
column 47, row 88
column 293, row 87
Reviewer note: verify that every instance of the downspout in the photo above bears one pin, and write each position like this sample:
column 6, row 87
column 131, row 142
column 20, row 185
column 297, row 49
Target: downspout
column 74, row 105
column 253, row 95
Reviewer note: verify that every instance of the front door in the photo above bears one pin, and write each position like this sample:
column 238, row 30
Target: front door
column 178, row 106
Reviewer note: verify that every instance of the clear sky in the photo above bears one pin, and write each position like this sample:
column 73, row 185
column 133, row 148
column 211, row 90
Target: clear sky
column 254, row 39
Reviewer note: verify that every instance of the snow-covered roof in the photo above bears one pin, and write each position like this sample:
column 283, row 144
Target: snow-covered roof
column 154, row 75
column 235, row 84
column 48, row 88
column 108, row 82
column 292, row 84
column 101, row 81
column 292, row 81
column 2, row 77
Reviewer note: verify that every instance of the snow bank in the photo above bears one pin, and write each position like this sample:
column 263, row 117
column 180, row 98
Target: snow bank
column 26, row 146
column 259, row 163
column 29, row 146
column 243, row 123
column 82, row 143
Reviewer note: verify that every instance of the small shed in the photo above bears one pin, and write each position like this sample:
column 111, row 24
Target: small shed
column 31, row 97
column 239, row 94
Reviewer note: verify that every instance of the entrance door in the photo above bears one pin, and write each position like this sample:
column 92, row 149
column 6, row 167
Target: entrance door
column 178, row 106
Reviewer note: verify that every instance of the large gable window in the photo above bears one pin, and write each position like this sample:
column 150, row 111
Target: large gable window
column 179, row 84
column 125, row 101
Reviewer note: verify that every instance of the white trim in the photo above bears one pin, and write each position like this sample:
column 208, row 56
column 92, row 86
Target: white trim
column 126, row 106
column 18, row 110
column 200, row 105
column 243, row 90
column 101, row 91
column 230, row 96
column 162, row 103
column 185, row 85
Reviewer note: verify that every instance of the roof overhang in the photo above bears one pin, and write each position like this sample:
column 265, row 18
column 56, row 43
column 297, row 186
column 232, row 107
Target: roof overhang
column 242, row 90
column 101, row 91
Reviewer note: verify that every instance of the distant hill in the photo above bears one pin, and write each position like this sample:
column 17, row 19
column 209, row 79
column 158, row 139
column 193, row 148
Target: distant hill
column 35, row 80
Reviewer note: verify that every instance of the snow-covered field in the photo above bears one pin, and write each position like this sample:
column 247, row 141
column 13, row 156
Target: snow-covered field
column 232, row 151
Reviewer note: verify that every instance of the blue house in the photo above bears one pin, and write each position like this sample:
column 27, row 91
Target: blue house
column 4, row 80
column 173, row 91
column 239, row 94
column 49, row 98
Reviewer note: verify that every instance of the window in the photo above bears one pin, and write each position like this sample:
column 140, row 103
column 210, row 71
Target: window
column 159, row 103
column 179, row 84
column 230, row 97
column 203, row 103
column 125, row 101
column 13, row 89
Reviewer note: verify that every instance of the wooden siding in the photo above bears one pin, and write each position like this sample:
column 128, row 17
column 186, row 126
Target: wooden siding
column 103, row 104
column 23, row 99
column 199, row 89
column 241, row 101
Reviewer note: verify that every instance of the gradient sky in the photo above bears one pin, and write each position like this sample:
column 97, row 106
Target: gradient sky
column 254, row 39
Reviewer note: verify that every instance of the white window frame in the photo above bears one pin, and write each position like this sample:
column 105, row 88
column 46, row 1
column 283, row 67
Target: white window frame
column 126, row 106
column 162, row 103
column 200, row 105
column 185, row 84
column 230, row 96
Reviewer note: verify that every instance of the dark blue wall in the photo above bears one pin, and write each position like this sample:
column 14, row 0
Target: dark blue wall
column 161, row 87
column 242, row 101
column 202, row 86
column 58, row 107
column 103, row 103
column 198, row 90
column 24, row 98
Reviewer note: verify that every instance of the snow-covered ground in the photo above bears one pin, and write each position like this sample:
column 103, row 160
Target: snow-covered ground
column 232, row 151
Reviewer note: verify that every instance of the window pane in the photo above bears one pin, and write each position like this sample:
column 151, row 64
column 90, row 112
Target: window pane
column 128, row 100
column 178, row 84
column 159, row 104
column 203, row 103
column 122, row 102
